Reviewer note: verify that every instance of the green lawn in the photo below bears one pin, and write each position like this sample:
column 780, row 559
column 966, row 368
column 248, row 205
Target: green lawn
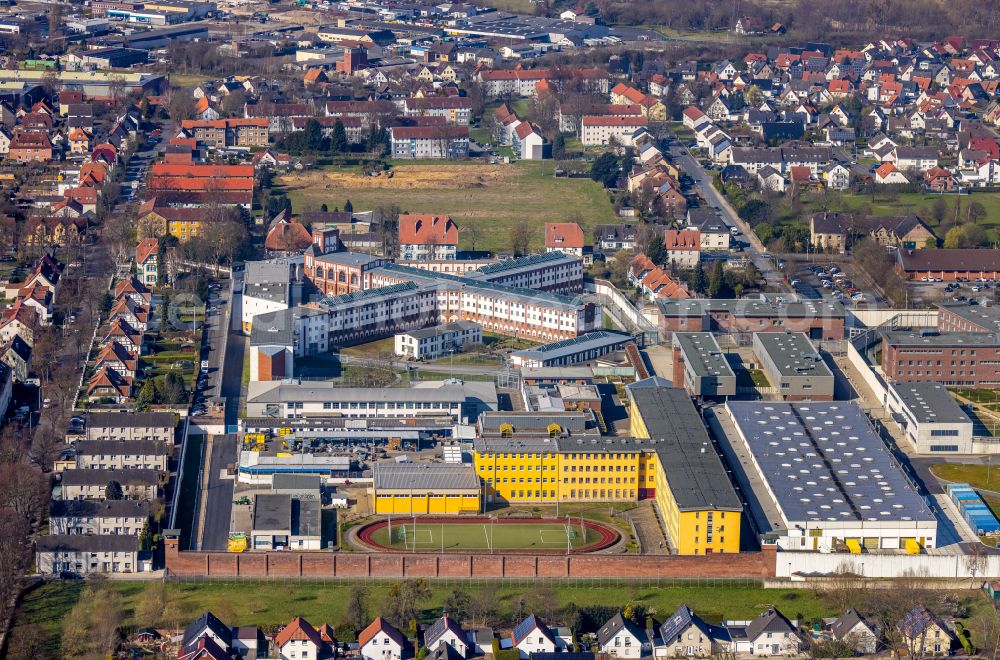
column 491, row 198
column 271, row 604
column 983, row 395
column 904, row 203
column 481, row 536
column 977, row 476
column 372, row 349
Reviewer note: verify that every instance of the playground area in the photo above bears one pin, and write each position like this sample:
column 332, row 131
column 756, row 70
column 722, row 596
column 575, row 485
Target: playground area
column 480, row 534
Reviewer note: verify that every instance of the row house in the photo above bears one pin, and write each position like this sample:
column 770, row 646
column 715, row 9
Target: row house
column 455, row 110
column 524, row 138
column 498, row 83
column 223, row 133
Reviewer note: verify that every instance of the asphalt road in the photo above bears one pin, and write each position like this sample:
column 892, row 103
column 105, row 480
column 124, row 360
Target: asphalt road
column 703, row 184
column 225, row 381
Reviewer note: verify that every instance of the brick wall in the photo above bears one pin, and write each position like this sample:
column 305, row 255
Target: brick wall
column 434, row 565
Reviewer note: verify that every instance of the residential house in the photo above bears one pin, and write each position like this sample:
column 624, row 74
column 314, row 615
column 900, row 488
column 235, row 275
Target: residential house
column 17, row 356
column 769, row 634
column 446, row 631
column 685, row 634
column 382, row 641
column 532, row 636
column 30, row 146
column 615, row 237
column 622, row 638
column 438, row 142
column 854, row 630
column 427, row 237
column 923, row 634
column 78, row 141
column 887, row 174
column 120, row 517
column 79, row 554
column 599, row 130
column 299, row 640
column 147, row 261
column 566, row 237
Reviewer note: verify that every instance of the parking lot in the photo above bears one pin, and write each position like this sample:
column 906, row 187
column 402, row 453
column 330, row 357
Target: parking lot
column 827, row 281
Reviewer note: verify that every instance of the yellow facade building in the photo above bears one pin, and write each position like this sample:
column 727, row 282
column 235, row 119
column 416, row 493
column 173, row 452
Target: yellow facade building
column 697, row 502
column 425, row 489
column 669, row 457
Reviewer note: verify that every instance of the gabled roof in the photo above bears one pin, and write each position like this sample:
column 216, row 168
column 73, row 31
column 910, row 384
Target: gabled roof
column 771, row 621
column 211, row 622
column 680, row 621
column 440, row 627
column 298, row 630
column 530, row 624
column 147, row 248
column 846, row 623
column 417, row 229
column 202, row 648
column 563, row 234
column 615, row 625
column 377, row 626
column 287, row 236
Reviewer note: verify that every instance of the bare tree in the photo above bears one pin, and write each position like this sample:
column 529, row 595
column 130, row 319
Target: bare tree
column 521, row 236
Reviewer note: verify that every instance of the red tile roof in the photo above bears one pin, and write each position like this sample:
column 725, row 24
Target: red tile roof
column 682, row 239
column 427, row 229
column 147, row 247
column 563, row 235
column 201, row 170
column 299, row 629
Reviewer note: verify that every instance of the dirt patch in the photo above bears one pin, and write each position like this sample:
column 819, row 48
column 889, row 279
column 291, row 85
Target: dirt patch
column 406, row 177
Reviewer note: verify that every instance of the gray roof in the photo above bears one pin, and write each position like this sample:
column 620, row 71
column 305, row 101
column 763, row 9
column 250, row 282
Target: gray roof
column 933, row 338
column 930, row 403
column 470, row 281
column 440, row 627
column 822, row 462
column 131, row 420
column 615, row 625
column 86, row 543
column 392, row 289
column 750, row 307
column 121, row 447
column 356, row 259
column 425, row 476
column 846, row 623
column 771, row 621
column 529, row 262
column 569, row 420
column 126, row 477
column 679, row 621
column 567, row 347
column 302, row 482
column 438, row 391
column 444, row 329
column 695, row 474
column 271, row 291
column 792, row 353
column 986, row 317
column 702, row 352
column 96, row 509
column 306, row 516
column 271, row 512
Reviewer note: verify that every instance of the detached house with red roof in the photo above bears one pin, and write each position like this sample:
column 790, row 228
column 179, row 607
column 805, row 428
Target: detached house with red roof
column 599, row 130
column 382, row 641
column 683, row 247
column 147, row 261
column 424, row 237
column 30, row 146
column 565, row 237
column 299, row 640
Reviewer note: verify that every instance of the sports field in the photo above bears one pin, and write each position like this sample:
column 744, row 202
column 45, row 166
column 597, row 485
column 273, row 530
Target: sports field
column 481, row 534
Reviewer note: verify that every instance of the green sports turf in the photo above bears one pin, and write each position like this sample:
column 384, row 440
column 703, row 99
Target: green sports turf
column 483, row 536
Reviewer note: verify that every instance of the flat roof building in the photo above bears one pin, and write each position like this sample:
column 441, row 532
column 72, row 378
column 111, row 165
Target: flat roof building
column 700, row 366
column 283, row 521
column 794, row 366
column 571, row 351
column 819, row 319
column 960, row 359
column 963, row 317
column 426, row 488
column 930, row 416
column 462, row 401
column 438, row 340
column 831, row 479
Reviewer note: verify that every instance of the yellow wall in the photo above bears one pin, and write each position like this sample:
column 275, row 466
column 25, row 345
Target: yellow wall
column 518, row 476
column 422, row 504
column 599, row 476
column 637, row 427
column 184, row 229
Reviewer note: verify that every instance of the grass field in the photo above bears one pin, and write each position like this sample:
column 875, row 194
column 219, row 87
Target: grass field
column 919, row 203
column 492, row 198
column 977, row 476
column 481, row 536
column 270, row 604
